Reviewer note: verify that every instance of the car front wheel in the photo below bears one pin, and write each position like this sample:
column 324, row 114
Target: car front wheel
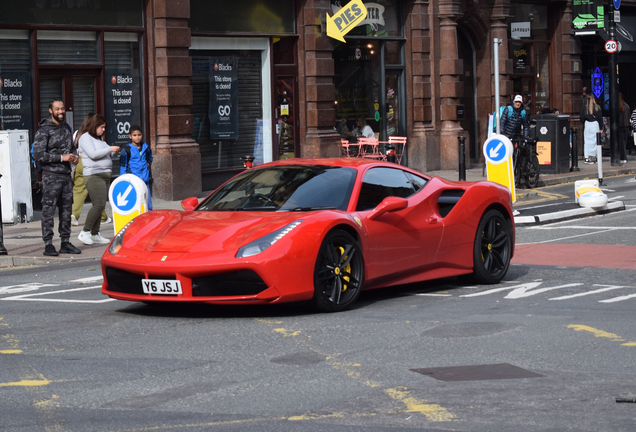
column 493, row 248
column 338, row 274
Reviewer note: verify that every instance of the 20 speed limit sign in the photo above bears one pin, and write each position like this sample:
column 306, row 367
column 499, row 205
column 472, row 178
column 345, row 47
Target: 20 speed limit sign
column 611, row 46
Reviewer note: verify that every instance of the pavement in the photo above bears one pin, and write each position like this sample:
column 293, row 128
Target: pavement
column 24, row 243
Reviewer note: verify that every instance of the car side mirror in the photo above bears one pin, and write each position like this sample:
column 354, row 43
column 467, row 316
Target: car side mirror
column 389, row 204
column 190, row 204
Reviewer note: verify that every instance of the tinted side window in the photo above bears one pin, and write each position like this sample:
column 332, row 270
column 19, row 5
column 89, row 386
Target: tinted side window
column 379, row 183
column 416, row 181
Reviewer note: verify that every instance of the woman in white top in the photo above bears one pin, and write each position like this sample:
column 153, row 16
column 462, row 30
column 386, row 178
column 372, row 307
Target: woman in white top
column 98, row 164
column 364, row 129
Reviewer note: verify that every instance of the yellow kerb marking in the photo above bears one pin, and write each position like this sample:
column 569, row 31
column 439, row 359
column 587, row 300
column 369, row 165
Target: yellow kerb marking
column 596, row 332
column 433, row 412
column 286, row 333
column 26, row 383
column 46, row 402
column 15, row 351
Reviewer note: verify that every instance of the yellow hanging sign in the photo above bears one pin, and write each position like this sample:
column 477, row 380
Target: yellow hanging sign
column 346, row 19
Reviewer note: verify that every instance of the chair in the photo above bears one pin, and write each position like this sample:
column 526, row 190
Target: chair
column 370, row 148
column 400, row 147
column 344, row 146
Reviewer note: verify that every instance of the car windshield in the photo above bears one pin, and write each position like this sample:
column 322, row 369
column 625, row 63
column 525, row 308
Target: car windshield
column 284, row 188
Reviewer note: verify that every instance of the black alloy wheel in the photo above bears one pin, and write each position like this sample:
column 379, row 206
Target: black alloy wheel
column 338, row 273
column 493, row 248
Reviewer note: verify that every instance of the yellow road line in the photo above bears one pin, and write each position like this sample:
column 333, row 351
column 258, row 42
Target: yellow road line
column 601, row 333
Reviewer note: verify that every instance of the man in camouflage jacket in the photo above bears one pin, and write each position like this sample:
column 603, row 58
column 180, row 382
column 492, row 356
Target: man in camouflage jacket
column 53, row 148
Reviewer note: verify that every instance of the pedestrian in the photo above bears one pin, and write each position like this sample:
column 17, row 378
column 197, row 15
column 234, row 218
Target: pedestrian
column 96, row 156
column 623, row 124
column 592, row 117
column 363, row 129
column 136, row 158
column 53, row 148
column 514, row 119
column 79, row 188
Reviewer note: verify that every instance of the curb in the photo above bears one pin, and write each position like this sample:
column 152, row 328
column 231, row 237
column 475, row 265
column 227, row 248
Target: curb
column 568, row 214
column 25, row 261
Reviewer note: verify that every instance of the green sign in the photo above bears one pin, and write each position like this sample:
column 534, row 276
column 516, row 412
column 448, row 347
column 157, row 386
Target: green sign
column 588, row 14
column 377, row 116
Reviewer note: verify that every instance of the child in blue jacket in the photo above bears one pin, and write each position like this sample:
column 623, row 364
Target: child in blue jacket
column 136, row 158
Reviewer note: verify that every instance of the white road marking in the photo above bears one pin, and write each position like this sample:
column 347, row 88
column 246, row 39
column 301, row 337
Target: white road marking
column 89, row 279
column 569, row 237
column 29, row 297
column 608, row 288
column 24, row 287
column 433, row 295
column 617, row 299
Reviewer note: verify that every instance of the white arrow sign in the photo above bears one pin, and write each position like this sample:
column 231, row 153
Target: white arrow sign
column 121, row 199
column 495, row 152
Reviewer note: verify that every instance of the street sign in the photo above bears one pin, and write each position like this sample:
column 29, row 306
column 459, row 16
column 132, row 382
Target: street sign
column 617, row 4
column 128, row 197
column 498, row 151
column 346, row 19
column 611, row 46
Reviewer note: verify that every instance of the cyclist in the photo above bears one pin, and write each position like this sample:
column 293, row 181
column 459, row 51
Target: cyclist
column 512, row 118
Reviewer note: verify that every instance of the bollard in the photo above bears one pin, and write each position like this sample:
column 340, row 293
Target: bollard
column 248, row 161
column 390, row 152
column 599, row 157
column 575, row 150
column 462, row 157
column 3, row 250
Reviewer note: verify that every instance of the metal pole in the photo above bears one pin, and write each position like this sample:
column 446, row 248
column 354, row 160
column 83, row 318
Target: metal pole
column 3, row 250
column 462, row 157
column 599, row 159
column 613, row 87
column 575, row 150
column 496, row 60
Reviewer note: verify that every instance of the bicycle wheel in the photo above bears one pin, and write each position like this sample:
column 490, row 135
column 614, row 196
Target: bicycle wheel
column 532, row 171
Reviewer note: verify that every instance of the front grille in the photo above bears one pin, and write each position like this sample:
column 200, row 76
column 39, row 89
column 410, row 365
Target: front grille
column 124, row 282
column 240, row 283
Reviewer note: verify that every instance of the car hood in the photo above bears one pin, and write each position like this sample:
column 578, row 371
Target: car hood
column 202, row 231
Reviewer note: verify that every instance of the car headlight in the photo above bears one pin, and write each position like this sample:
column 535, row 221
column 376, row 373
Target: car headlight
column 118, row 240
column 258, row 246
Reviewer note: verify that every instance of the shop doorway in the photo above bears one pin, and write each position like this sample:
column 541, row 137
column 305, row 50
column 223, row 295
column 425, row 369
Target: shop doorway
column 77, row 90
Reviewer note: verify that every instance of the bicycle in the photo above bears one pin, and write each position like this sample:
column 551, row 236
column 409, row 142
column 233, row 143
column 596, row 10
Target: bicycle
column 526, row 163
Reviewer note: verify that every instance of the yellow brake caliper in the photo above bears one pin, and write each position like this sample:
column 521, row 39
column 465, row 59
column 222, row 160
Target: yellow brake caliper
column 346, row 269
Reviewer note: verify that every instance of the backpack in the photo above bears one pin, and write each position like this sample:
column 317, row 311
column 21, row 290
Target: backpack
column 148, row 154
column 501, row 111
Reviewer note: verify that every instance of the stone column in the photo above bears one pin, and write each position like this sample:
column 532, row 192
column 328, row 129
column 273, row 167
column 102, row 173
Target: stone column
column 177, row 160
column 451, row 88
column 317, row 90
column 422, row 147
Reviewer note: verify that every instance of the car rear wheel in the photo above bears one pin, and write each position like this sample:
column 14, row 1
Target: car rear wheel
column 493, row 248
column 338, row 274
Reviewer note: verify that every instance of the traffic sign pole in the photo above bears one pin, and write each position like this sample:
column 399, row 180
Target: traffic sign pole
column 613, row 88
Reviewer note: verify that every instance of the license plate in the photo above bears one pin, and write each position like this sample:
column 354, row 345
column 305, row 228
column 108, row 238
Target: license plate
column 161, row 286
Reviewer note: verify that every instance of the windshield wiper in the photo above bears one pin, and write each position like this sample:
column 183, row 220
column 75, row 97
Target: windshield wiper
column 313, row 208
column 266, row 208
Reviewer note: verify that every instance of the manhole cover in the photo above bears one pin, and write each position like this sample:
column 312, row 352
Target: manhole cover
column 477, row 372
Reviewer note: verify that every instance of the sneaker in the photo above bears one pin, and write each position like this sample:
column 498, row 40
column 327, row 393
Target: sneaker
column 98, row 239
column 49, row 250
column 623, row 160
column 85, row 237
column 74, row 221
column 588, row 161
column 68, row 248
column 107, row 221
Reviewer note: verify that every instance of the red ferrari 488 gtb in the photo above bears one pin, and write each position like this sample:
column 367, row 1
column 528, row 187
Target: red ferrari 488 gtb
column 316, row 230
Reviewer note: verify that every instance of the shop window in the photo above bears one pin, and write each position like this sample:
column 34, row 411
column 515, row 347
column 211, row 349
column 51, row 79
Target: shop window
column 253, row 16
column 116, row 13
column 15, row 67
column 67, row 47
column 529, row 21
column 244, row 138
